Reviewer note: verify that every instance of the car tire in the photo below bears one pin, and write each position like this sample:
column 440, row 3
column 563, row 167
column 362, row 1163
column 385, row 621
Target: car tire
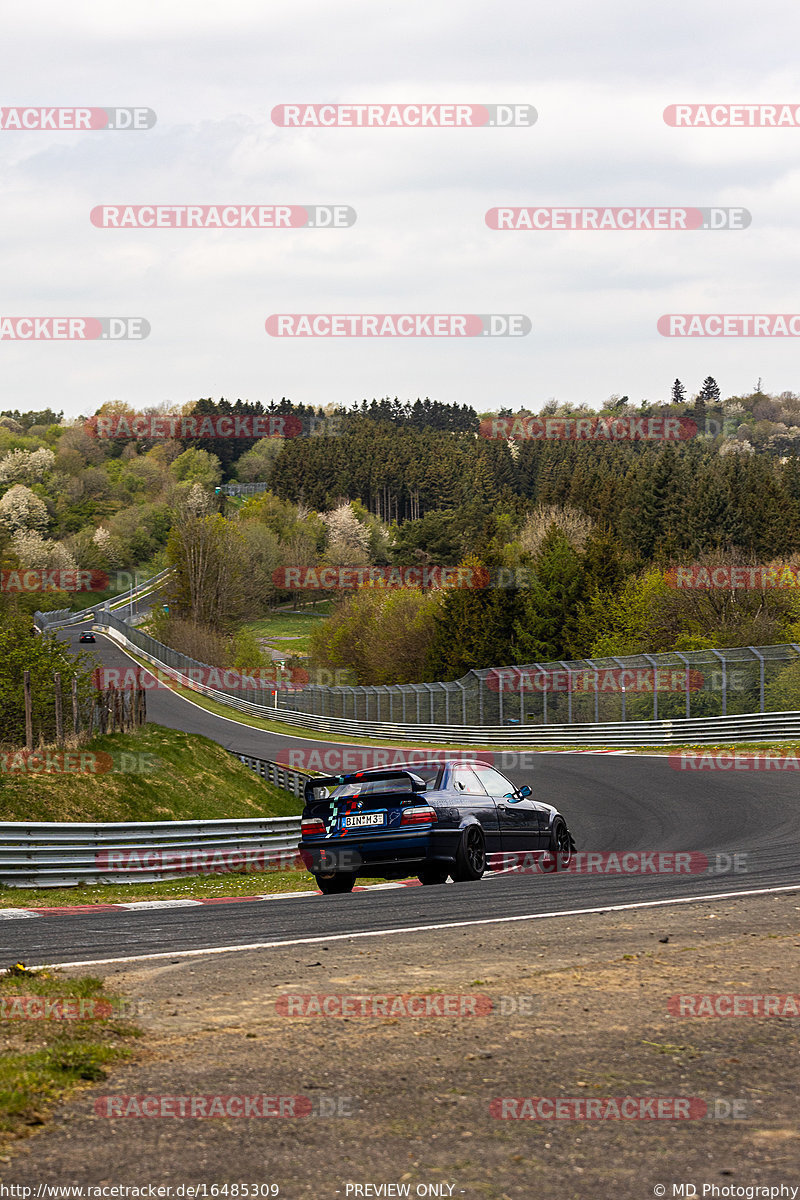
column 562, row 842
column 334, row 885
column 470, row 856
column 433, row 873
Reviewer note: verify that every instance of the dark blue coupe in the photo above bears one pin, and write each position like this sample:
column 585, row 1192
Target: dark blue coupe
column 435, row 820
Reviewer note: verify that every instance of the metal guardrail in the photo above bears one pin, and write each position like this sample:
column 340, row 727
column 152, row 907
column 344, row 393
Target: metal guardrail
column 673, row 685
column 55, row 854
column 288, row 778
column 242, row 489
column 754, row 727
column 67, row 616
column 701, row 730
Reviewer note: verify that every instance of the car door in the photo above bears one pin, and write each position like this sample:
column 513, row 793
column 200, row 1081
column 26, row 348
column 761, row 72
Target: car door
column 474, row 800
column 520, row 820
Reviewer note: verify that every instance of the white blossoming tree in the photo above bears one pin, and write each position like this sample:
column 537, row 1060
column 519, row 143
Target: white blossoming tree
column 36, row 553
column 348, row 539
column 21, row 509
column 26, row 466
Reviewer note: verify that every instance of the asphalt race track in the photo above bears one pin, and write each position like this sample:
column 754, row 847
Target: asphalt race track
column 612, row 803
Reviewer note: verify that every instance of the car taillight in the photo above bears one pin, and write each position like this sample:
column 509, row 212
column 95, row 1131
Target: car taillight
column 311, row 827
column 419, row 815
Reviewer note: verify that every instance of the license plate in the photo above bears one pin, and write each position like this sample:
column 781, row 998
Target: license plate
column 359, row 819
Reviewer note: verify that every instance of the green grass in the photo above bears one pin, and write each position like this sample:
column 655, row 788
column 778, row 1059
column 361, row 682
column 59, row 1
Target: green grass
column 785, row 747
column 290, row 631
column 198, row 887
column 195, row 780
column 44, row 1059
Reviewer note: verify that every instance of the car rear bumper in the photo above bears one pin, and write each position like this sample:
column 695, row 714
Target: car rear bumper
column 379, row 850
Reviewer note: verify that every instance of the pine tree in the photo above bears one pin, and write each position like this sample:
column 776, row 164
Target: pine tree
column 709, row 392
column 678, row 392
column 546, row 627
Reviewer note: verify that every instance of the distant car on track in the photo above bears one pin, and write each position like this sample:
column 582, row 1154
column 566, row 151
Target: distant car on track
column 435, row 820
column 87, row 636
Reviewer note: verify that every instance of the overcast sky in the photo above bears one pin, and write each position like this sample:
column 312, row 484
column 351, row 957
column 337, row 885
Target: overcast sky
column 599, row 76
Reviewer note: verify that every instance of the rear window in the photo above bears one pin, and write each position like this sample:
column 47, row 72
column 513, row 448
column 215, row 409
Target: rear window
column 427, row 772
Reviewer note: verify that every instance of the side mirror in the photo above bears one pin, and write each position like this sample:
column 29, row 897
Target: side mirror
column 523, row 792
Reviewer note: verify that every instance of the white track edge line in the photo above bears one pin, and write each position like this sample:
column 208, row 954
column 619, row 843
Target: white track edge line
column 341, row 937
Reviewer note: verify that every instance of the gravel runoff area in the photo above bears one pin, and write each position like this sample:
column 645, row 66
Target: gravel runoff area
column 413, row 1099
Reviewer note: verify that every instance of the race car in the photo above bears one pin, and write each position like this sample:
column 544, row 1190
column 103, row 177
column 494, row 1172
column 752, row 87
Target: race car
column 453, row 819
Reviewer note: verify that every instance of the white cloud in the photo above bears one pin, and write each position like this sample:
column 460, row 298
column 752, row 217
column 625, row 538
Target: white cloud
column 599, row 76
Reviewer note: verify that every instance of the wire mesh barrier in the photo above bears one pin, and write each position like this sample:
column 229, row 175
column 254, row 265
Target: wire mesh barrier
column 633, row 688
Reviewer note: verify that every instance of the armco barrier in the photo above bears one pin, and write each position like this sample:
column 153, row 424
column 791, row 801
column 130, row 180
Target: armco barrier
column 693, row 685
column 283, row 777
column 55, row 854
column 747, row 727
column 67, row 616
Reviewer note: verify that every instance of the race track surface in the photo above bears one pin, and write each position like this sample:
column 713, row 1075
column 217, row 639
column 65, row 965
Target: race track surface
column 612, row 804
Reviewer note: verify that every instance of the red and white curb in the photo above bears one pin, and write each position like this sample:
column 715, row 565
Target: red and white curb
column 10, row 914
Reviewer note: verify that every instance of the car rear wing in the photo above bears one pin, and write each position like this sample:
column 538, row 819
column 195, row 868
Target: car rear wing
column 335, row 781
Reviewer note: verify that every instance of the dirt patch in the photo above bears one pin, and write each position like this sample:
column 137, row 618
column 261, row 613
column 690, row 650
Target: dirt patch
column 580, row 1011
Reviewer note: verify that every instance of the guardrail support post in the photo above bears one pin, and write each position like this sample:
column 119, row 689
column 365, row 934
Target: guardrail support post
column 721, row 658
column 28, row 712
column 685, row 662
column 59, row 708
column 760, row 678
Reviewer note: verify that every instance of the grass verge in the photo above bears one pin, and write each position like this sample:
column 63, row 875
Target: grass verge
column 197, row 887
column 289, row 631
column 157, row 774
column 789, row 748
column 45, row 1058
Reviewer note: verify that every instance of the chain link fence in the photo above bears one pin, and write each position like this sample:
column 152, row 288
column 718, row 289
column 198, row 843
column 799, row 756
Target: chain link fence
column 639, row 687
